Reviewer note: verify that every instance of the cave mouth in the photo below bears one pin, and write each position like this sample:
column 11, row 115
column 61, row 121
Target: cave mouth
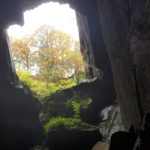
column 46, row 50
column 48, row 61
column 22, row 104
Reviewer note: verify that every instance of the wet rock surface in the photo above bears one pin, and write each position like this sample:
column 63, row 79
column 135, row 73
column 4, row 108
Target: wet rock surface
column 111, row 122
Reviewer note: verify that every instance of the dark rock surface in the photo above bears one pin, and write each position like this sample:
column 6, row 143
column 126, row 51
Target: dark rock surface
column 19, row 124
column 55, row 104
column 125, row 26
column 143, row 142
column 122, row 141
column 86, row 48
column 73, row 139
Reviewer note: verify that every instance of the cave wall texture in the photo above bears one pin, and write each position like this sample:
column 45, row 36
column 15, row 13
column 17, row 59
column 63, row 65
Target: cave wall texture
column 19, row 123
column 121, row 30
column 114, row 37
column 125, row 26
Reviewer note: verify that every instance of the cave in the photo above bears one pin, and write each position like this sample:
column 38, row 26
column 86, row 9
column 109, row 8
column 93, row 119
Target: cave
column 114, row 38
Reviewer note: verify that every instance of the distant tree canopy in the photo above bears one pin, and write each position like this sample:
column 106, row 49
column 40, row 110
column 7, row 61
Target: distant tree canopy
column 51, row 54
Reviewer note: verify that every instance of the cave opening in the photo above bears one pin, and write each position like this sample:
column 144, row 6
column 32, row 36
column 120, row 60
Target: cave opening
column 20, row 120
column 47, row 57
column 46, row 49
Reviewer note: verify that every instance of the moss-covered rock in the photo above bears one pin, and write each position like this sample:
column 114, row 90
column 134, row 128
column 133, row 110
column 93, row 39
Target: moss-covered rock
column 60, row 123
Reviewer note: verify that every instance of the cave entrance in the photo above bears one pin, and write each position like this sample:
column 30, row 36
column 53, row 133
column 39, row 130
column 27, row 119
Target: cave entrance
column 46, row 53
column 56, row 118
column 46, row 50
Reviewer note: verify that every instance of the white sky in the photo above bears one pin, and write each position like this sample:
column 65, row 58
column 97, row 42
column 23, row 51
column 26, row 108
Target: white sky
column 62, row 17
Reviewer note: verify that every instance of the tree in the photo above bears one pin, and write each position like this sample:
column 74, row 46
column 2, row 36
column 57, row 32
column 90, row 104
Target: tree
column 23, row 56
column 58, row 54
column 54, row 54
column 75, row 62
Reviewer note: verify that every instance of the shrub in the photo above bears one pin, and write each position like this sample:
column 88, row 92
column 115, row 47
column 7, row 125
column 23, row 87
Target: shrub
column 40, row 88
column 34, row 85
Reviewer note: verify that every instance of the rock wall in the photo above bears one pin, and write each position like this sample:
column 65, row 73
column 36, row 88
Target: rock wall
column 56, row 104
column 6, row 65
column 94, row 52
column 115, row 27
column 125, row 26
column 139, row 47
column 19, row 123
column 86, row 48
column 111, row 122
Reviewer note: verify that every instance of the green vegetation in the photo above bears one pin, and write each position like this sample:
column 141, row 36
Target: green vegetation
column 41, row 88
column 47, row 61
column 50, row 54
column 73, row 123
column 76, row 109
column 67, row 123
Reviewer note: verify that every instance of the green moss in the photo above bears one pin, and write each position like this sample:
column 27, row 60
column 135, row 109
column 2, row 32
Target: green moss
column 76, row 109
column 67, row 123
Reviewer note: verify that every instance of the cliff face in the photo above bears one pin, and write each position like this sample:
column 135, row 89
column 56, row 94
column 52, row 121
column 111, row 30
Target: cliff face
column 19, row 123
column 125, row 26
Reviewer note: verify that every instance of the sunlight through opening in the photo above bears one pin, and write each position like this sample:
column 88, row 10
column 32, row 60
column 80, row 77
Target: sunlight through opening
column 46, row 49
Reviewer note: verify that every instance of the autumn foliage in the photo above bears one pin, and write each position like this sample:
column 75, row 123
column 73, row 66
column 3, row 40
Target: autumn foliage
column 49, row 57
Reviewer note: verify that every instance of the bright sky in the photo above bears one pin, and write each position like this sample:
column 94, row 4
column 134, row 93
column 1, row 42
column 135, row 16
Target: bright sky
column 62, row 17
